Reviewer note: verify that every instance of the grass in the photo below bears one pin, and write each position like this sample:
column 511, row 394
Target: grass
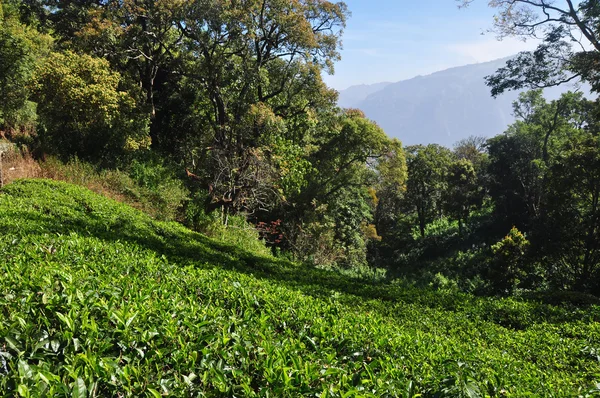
column 161, row 198
column 16, row 165
column 99, row 300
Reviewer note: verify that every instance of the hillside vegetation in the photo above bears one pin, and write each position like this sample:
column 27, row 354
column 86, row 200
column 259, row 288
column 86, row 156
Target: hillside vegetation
column 216, row 114
column 100, row 300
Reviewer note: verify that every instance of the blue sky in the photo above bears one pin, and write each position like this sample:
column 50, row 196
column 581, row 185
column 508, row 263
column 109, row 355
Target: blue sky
column 392, row 40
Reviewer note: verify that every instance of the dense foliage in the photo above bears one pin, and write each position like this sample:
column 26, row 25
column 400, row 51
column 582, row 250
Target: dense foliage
column 118, row 304
column 539, row 180
column 231, row 93
column 214, row 114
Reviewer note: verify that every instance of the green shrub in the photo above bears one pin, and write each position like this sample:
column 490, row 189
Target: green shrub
column 195, row 216
column 566, row 297
column 235, row 230
column 508, row 264
column 159, row 186
column 359, row 272
column 238, row 232
column 442, row 282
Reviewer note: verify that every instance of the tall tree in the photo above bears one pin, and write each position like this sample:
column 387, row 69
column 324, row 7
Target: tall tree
column 463, row 193
column 427, row 170
column 570, row 47
column 259, row 54
column 390, row 188
column 520, row 159
column 21, row 49
column 569, row 234
column 139, row 37
column 334, row 211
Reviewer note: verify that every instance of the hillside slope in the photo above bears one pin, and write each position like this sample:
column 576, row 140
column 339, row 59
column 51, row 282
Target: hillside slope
column 99, row 300
column 442, row 108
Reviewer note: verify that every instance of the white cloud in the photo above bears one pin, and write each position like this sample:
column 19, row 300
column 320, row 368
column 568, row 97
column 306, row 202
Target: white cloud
column 489, row 49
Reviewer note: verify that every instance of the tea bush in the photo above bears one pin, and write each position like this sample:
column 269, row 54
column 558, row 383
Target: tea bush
column 98, row 299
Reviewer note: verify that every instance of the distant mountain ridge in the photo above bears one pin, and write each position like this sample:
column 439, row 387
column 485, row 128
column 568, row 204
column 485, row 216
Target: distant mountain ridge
column 442, row 108
column 351, row 96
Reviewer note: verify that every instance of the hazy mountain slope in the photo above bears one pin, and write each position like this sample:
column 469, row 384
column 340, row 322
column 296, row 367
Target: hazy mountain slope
column 443, row 107
column 352, row 96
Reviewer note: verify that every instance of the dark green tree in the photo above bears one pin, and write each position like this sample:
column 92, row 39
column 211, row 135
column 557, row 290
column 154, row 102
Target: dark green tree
column 544, row 174
column 141, row 39
column 520, row 159
column 264, row 56
column 390, row 189
column 21, row 48
column 463, row 193
column 334, row 211
column 427, row 171
column 569, row 233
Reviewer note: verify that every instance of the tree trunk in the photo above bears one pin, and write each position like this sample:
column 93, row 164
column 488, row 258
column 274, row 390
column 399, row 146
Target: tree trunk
column 1, row 170
column 422, row 223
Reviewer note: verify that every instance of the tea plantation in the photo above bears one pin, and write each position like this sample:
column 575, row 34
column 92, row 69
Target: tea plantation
column 99, row 300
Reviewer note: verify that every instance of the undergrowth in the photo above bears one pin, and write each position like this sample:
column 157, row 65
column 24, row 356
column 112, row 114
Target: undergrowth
column 16, row 163
column 150, row 188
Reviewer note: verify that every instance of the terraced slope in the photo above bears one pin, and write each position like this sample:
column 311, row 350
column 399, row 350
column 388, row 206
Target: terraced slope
column 99, row 300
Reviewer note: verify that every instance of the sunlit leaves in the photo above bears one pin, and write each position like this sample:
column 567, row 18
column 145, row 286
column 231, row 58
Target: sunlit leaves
column 82, row 110
column 21, row 48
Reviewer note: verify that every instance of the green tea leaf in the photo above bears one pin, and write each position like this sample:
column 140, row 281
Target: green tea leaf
column 79, row 389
